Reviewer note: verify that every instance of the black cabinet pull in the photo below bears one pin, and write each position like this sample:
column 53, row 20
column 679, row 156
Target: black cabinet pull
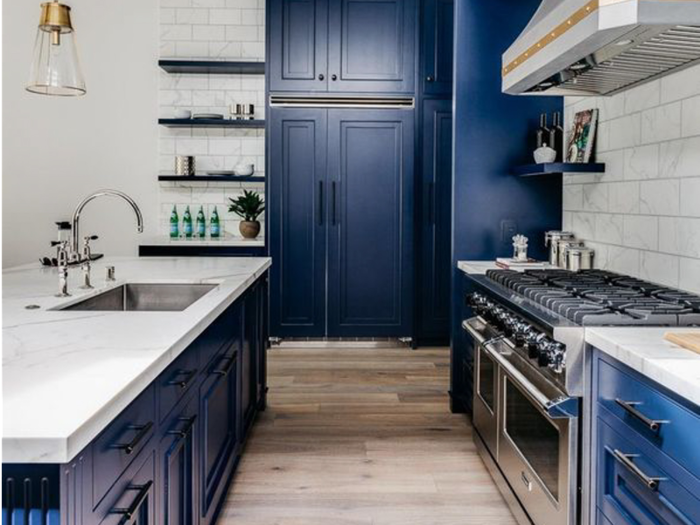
column 321, row 77
column 141, row 432
column 630, row 408
column 223, row 372
column 183, row 383
column 320, row 203
column 334, row 77
column 129, row 512
column 182, row 433
column 429, row 78
column 333, row 211
column 626, row 460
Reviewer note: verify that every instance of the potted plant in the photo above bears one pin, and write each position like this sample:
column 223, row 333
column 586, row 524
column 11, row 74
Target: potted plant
column 248, row 207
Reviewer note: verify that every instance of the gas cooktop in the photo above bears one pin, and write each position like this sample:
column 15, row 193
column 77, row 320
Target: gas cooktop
column 602, row 298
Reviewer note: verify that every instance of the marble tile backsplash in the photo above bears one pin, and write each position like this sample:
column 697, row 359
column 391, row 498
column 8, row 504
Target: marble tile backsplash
column 643, row 215
column 212, row 30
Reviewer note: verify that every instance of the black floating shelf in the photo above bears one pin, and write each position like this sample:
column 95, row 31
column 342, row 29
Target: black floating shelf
column 213, row 67
column 210, row 123
column 532, row 170
column 210, row 178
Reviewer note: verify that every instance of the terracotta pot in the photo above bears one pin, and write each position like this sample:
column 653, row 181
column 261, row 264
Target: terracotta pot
column 249, row 229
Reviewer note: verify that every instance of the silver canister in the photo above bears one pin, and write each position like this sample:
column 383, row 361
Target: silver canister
column 580, row 258
column 562, row 246
column 184, row 165
column 249, row 111
column 551, row 239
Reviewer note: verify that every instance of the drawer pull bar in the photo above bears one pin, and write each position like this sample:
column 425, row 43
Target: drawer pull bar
column 630, row 408
column 130, row 512
column 182, row 433
column 224, row 371
column 141, row 432
column 626, row 460
column 183, row 383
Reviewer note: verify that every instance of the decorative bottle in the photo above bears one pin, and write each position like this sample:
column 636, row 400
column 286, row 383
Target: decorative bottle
column 187, row 223
column 201, row 224
column 556, row 137
column 174, row 224
column 214, row 225
column 542, row 131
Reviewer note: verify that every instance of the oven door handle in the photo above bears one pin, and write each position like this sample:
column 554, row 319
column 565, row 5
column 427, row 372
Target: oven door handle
column 562, row 407
column 468, row 326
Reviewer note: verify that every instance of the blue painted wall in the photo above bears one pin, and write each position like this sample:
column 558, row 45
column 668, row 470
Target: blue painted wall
column 492, row 133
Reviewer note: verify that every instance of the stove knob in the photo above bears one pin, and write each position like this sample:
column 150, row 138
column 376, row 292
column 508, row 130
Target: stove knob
column 474, row 299
column 531, row 340
column 520, row 333
column 544, row 356
column 510, row 325
column 557, row 352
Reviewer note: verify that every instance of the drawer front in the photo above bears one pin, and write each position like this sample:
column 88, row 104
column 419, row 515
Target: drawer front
column 131, row 501
column 177, row 380
column 222, row 332
column 624, row 493
column 121, row 442
column 601, row 519
column 640, row 406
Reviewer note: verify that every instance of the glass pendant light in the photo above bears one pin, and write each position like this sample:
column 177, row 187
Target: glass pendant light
column 55, row 68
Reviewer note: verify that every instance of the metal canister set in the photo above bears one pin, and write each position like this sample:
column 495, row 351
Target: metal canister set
column 567, row 252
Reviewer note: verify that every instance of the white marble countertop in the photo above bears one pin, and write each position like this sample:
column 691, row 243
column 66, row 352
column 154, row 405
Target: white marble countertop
column 476, row 267
column 67, row 374
column 228, row 240
column 646, row 351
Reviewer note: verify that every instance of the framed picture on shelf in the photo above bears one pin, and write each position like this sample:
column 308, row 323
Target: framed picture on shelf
column 582, row 136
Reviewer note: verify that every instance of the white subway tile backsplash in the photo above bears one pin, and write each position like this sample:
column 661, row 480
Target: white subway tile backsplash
column 641, row 162
column 624, row 197
column 187, row 15
column 681, row 85
column 690, row 202
column 661, row 123
column 225, row 16
column 660, row 197
column 689, row 275
column 680, row 158
column 660, row 268
column 644, row 97
column 623, row 260
column 609, row 228
column 595, row 197
column 691, row 117
column 641, row 232
column 680, row 236
column 625, row 132
column 584, row 225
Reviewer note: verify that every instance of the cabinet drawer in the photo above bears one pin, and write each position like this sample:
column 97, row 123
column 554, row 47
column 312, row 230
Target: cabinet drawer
column 132, row 498
column 223, row 331
column 121, row 442
column 601, row 519
column 623, row 493
column 640, row 406
column 177, row 380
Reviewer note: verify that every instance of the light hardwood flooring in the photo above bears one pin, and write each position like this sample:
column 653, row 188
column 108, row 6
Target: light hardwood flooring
column 361, row 437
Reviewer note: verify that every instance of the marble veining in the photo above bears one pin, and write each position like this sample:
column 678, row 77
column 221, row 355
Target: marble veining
column 67, row 374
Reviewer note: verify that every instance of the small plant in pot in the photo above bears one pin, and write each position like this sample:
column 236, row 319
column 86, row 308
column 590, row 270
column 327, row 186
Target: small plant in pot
column 248, row 207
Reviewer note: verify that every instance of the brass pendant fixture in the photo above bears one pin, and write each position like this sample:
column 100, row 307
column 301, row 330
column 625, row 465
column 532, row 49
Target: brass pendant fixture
column 55, row 68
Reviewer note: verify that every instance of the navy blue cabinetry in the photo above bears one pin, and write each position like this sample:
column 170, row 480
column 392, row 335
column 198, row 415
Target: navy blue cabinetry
column 345, row 176
column 351, row 46
column 645, row 460
column 433, row 299
column 437, row 47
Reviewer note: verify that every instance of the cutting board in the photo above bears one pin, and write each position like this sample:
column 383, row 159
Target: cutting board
column 688, row 340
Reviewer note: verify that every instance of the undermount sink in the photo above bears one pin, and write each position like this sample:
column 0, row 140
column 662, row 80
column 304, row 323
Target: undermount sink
column 144, row 298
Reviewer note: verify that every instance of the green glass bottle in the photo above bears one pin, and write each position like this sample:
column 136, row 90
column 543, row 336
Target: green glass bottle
column 174, row 224
column 214, row 225
column 187, row 223
column 201, row 224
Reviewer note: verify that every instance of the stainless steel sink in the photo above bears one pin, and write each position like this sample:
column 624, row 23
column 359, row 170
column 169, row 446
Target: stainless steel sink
column 144, row 298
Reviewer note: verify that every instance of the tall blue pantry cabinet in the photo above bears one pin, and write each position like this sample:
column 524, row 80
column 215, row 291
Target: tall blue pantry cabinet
column 341, row 163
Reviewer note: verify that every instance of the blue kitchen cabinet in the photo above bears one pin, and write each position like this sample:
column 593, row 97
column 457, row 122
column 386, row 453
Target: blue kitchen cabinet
column 342, row 46
column 297, row 221
column 370, row 250
column 646, row 460
column 437, row 47
column 252, row 362
column 298, row 45
column 435, row 215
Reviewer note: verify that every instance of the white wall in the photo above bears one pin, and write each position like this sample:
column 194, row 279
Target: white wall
column 56, row 150
column 643, row 215
column 214, row 30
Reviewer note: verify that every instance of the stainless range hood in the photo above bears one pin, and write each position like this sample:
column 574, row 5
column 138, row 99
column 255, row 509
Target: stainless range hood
column 600, row 47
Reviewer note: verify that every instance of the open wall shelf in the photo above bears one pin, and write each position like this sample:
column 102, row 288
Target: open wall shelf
column 214, row 67
column 533, row 170
column 210, row 178
column 210, row 123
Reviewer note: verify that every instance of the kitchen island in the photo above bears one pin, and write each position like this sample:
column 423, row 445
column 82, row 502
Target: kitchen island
column 99, row 402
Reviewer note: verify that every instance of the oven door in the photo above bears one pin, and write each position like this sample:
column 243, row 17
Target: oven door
column 486, row 391
column 538, row 440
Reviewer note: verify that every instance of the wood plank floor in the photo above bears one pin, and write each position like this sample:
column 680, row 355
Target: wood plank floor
column 361, row 437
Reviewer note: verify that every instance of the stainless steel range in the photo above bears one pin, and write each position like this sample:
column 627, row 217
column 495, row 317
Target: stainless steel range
column 528, row 334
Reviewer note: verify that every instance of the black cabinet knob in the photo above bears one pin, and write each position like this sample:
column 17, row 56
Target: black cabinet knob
column 321, row 77
column 334, row 77
column 429, row 78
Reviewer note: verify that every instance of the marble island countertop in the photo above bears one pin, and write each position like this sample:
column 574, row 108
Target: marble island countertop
column 67, row 374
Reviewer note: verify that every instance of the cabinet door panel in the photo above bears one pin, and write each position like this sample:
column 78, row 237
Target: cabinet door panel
column 370, row 230
column 298, row 202
column 371, row 45
column 435, row 216
column 298, row 45
column 438, row 39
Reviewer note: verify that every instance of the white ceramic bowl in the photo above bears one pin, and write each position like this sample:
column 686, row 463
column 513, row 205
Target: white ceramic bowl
column 183, row 113
column 244, row 170
column 544, row 155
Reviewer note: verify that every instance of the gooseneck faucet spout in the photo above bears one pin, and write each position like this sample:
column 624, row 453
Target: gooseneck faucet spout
column 75, row 231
